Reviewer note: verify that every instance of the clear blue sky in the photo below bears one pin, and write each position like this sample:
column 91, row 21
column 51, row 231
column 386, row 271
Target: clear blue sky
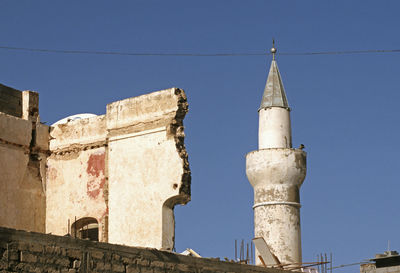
column 344, row 107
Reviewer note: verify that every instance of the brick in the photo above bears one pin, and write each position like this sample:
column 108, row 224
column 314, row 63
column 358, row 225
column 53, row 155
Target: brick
column 12, row 255
column 23, row 246
column 183, row 268
column 107, row 256
column 52, row 271
column 132, row 269
column 157, row 264
column 169, row 266
column 116, row 257
column 52, row 250
column 126, row 260
column 36, row 248
column 63, row 251
column 38, row 270
column 49, row 249
column 146, row 270
column 97, row 255
column 74, row 253
column 142, row 262
column 63, row 261
column 107, row 266
column 117, row 268
column 44, row 260
column 27, row 257
column 98, row 266
column 159, row 270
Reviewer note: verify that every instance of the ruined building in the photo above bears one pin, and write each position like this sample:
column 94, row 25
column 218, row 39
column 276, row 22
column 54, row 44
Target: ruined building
column 105, row 178
column 116, row 178
column 387, row 262
column 276, row 172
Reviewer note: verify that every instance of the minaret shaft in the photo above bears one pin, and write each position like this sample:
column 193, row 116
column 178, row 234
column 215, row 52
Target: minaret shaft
column 276, row 175
column 276, row 171
column 280, row 223
column 274, row 129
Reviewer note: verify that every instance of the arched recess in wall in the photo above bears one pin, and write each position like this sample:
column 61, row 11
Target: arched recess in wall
column 168, row 224
column 86, row 228
column 168, row 221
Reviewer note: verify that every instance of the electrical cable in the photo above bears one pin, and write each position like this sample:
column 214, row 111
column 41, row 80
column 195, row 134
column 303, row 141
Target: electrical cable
column 348, row 52
column 343, row 52
column 131, row 53
column 345, row 265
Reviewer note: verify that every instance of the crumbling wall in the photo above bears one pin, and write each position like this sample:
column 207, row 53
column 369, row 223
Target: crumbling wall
column 23, row 152
column 148, row 168
column 76, row 175
column 128, row 169
column 32, row 252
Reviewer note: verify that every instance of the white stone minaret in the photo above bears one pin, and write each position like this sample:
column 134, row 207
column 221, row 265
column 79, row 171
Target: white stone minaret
column 276, row 172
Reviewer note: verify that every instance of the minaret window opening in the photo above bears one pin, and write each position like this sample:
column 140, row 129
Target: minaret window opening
column 86, row 228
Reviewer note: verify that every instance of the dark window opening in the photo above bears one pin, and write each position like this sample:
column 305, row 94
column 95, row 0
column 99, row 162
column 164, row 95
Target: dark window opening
column 86, row 228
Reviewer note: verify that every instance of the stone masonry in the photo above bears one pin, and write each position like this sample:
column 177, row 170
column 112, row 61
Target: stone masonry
column 22, row 251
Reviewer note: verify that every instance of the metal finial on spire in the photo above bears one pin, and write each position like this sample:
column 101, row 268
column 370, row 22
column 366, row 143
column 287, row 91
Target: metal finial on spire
column 274, row 93
column 273, row 49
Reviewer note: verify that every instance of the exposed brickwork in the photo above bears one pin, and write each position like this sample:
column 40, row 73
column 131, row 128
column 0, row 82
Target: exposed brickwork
column 22, row 251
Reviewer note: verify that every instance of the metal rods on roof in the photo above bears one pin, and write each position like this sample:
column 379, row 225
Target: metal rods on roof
column 246, row 253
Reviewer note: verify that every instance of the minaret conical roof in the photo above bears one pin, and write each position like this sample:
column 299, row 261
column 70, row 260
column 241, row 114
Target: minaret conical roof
column 274, row 93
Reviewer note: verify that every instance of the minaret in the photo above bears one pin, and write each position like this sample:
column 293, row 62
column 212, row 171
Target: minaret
column 276, row 172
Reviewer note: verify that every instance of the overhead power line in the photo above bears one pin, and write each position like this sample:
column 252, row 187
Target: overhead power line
column 344, row 52
column 131, row 53
column 198, row 54
column 345, row 265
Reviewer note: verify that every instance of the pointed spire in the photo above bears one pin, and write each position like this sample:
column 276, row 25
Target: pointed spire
column 274, row 92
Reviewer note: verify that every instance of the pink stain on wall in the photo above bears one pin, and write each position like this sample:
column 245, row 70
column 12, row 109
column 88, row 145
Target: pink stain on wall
column 52, row 174
column 95, row 169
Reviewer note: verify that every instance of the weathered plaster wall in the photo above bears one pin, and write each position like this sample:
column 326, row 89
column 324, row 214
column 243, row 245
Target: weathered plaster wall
column 128, row 169
column 276, row 176
column 76, row 175
column 23, row 152
column 148, row 168
column 32, row 252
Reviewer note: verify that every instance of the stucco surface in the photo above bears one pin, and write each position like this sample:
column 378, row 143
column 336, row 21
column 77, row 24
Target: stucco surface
column 148, row 168
column 75, row 188
column 77, row 133
column 274, row 128
column 22, row 163
column 144, row 172
column 127, row 168
column 76, row 175
column 15, row 130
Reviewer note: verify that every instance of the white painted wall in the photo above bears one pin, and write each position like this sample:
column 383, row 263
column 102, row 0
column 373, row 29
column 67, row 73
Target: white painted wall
column 274, row 129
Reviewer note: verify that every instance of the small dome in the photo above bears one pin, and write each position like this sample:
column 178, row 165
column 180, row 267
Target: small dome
column 74, row 117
